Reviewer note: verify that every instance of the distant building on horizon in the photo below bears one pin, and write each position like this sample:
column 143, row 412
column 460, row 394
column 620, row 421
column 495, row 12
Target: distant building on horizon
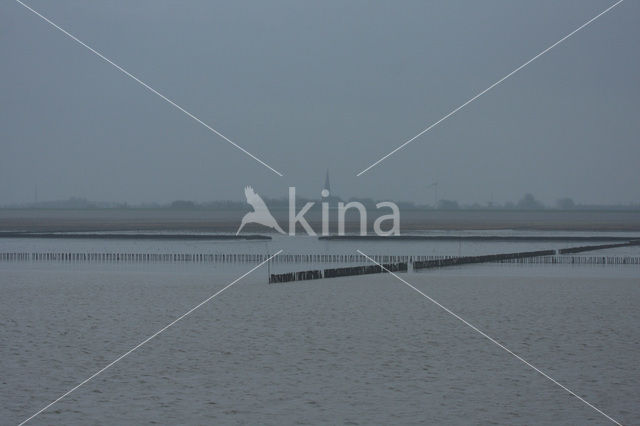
column 331, row 198
column 327, row 184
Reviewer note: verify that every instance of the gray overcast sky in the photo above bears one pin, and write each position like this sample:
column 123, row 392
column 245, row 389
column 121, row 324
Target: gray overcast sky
column 313, row 85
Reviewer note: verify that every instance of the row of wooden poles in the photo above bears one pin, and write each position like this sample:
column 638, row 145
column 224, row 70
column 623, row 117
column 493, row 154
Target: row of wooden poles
column 418, row 262
column 425, row 262
column 451, row 261
column 578, row 260
column 337, row 272
column 598, row 247
column 135, row 257
column 519, row 257
column 543, row 259
column 437, row 263
column 202, row 257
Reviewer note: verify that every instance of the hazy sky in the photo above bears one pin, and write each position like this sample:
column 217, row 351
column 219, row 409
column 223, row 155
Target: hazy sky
column 313, row 85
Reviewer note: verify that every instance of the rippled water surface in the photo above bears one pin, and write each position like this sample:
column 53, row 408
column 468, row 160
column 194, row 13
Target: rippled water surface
column 354, row 350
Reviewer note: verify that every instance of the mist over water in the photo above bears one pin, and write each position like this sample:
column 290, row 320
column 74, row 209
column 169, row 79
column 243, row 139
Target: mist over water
column 110, row 184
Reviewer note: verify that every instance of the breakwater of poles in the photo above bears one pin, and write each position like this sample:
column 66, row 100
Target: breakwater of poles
column 577, row 260
column 598, row 247
column 478, row 238
column 438, row 263
column 113, row 257
column 546, row 258
column 418, row 262
column 337, row 272
column 295, row 276
column 135, row 257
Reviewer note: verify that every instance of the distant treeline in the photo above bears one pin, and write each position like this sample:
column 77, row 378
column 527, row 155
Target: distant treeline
column 527, row 202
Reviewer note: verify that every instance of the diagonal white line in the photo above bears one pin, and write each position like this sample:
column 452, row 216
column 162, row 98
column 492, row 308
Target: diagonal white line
column 492, row 340
column 489, row 88
column 148, row 339
column 146, row 86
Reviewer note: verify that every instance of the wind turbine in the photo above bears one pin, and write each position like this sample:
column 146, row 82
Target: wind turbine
column 434, row 185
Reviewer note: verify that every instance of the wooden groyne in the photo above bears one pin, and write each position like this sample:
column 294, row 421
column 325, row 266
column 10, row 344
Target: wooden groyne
column 551, row 259
column 577, row 260
column 337, row 272
column 364, row 270
column 133, row 257
column 418, row 262
column 451, row 261
column 114, row 257
column 598, row 247
column 482, row 238
column 295, row 276
column 518, row 258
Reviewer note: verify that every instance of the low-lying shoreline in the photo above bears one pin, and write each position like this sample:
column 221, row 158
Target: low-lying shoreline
column 227, row 221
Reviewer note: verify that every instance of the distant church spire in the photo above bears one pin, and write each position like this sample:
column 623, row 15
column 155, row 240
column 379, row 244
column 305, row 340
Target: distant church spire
column 327, row 185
